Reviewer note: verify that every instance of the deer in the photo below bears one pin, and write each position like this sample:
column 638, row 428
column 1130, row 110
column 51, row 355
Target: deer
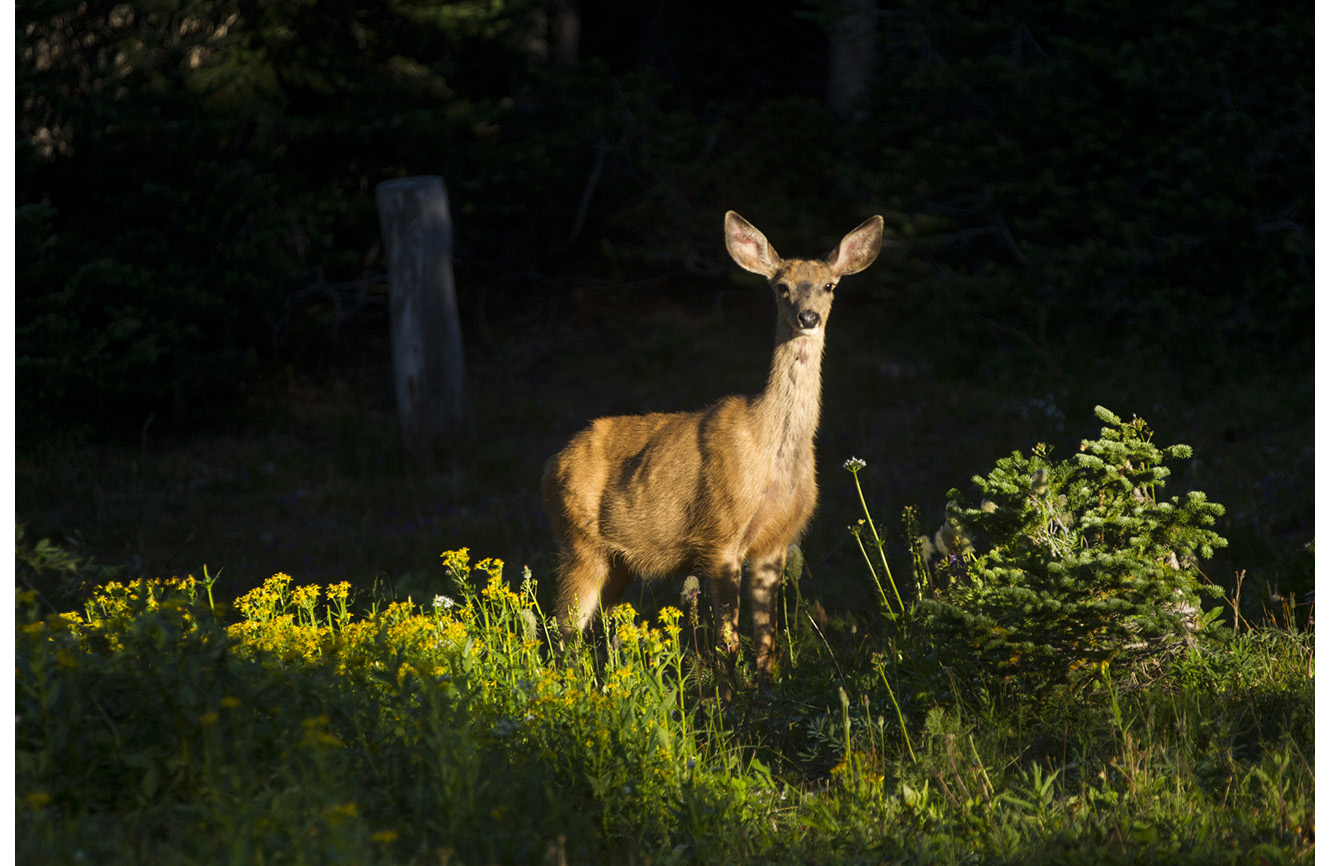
column 661, row 494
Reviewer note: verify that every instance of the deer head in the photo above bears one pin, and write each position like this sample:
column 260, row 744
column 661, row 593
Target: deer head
column 803, row 287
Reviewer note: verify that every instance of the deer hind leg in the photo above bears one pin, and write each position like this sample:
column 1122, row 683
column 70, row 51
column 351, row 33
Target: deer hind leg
column 589, row 577
column 618, row 580
column 583, row 573
column 765, row 587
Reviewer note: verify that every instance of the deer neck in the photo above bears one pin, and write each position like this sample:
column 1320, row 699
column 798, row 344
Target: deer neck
column 788, row 410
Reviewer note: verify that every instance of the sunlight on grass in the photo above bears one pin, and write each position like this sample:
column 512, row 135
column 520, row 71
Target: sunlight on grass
column 309, row 726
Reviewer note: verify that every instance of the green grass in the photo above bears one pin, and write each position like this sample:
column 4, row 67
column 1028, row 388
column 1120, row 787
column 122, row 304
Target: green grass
column 308, row 725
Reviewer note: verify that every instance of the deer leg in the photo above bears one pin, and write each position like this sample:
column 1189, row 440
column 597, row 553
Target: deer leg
column 584, row 573
column 765, row 579
column 617, row 580
column 726, row 576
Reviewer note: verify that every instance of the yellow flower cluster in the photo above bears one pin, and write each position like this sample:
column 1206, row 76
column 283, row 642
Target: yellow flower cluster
column 286, row 623
column 497, row 592
column 620, row 721
column 494, row 638
column 109, row 613
column 457, row 562
column 491, row 566
column 270, row 624
column 859, row 772
column 266, row 601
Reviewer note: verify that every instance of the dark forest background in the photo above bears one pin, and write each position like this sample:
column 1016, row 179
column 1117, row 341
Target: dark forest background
column 1088, row 202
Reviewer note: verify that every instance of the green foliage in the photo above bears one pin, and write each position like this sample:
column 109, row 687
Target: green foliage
column 304, row 731
column 1080, row 564
column 1101, row 181
column 176, row 184
column 58, row 575
column 1063, row 175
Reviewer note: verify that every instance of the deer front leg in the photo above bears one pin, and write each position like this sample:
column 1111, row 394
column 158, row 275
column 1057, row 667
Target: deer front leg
column 725, row 576
column 766, row 574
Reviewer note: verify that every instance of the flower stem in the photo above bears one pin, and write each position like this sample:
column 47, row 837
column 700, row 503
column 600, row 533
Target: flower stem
column 877, row 542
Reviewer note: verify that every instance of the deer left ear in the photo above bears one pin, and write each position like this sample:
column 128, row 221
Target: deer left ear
column 858, row 249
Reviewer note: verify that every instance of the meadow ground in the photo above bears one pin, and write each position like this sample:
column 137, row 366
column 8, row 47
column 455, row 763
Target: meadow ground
column 378, row 706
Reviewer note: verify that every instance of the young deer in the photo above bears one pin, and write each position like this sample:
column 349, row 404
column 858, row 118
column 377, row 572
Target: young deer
column 654, row 495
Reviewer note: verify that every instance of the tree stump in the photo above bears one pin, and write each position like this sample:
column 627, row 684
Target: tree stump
column 429, row 366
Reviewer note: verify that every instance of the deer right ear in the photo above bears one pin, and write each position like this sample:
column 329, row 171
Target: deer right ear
column 749, row 247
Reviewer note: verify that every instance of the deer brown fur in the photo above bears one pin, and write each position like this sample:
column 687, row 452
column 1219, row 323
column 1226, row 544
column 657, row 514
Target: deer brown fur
column 658, row 494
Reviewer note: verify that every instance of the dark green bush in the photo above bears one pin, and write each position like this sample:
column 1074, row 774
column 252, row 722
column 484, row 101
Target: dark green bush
column 1078, row 564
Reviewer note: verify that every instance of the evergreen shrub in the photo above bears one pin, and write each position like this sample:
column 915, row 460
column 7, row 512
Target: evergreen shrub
column 1078, row 567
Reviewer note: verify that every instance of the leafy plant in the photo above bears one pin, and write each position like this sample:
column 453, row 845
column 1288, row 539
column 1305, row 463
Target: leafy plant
column 55, row 574
column 307, row 731
column 1079, row 564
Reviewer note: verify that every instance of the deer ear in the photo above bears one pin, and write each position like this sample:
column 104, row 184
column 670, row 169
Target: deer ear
column 858, row 249
column 749, row 247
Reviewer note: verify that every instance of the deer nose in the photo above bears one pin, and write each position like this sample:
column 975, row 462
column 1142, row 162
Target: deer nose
column 808, row 319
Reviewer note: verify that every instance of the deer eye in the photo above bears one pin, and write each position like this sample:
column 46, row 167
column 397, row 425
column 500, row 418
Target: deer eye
column 829, row 287
column 783, row 290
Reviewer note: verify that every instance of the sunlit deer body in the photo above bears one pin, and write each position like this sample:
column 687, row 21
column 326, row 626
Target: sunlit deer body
column 658, row 494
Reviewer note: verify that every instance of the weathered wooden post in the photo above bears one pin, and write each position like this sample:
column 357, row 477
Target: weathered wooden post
column 429, row 366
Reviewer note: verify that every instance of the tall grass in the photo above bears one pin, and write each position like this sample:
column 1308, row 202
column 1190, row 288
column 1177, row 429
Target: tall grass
column 309, row 726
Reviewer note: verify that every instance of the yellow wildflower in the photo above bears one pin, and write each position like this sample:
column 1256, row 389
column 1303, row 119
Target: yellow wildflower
column 337, row 592
column 37, row 799
column 304, row 597
column 457, row 561
column 342, row 810
column 497, row 591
